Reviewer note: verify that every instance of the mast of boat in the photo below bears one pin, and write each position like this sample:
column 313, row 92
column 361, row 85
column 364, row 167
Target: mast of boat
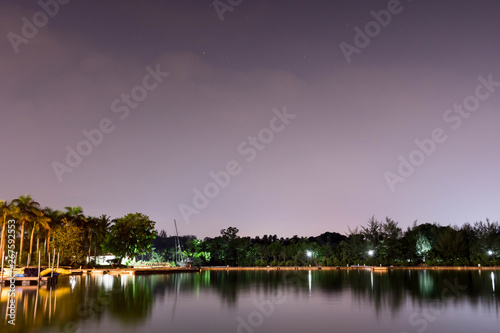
column 178, row 244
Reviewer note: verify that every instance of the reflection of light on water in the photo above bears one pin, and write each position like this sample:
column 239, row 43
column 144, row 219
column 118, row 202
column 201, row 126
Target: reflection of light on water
column 310, row 280
column 4, row 296
column 72, row 282
column 107, row 282
column 371, row 278
column 426, row 283
column 123, row 280
column 493, row 281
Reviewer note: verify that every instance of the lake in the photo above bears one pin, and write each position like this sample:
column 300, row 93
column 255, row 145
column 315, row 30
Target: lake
column 263, row 301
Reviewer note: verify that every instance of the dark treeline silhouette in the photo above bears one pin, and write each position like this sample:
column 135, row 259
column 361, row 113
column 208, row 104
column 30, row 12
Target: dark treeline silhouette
column 230, row 249
column 376, row 243
column 383, row 242
column 163, row 248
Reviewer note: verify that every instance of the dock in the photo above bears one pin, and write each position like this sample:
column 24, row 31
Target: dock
column 49, row 280
column 147, row 271
column 141, row 271
column 30, row 281
column 377, row 268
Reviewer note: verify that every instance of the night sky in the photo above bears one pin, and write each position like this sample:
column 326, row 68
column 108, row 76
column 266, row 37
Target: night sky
column 312, row 115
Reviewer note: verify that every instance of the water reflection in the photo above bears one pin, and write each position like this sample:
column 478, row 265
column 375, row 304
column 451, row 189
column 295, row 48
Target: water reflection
column 134, row 301
column 309, row 279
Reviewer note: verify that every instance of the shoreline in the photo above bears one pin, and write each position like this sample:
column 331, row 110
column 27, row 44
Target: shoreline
column 330, row 268
column 169, row 270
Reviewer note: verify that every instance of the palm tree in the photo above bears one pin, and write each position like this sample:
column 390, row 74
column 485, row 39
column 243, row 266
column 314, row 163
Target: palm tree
column 75, row 214
column 5, row 210
column 8, row 212
column 101, row 228
column 40, row 221
column 56, row 217
column 91, row 226
column 28, row 210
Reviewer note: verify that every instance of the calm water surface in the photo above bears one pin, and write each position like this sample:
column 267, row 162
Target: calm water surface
column 263, row 301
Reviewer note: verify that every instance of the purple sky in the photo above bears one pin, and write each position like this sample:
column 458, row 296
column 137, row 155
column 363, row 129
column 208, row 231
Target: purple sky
column 323, row 171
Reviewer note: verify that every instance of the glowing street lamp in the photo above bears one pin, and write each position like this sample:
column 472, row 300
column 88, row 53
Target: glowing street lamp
column 370, row 253
column 309, row 255
column 490, row 252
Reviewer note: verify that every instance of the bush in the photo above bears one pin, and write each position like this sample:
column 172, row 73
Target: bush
column 260, row 263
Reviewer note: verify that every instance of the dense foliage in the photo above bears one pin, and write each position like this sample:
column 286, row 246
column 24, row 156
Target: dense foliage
column 72, row 239
column 376, row 243
column 78, row 237
column 130, row 236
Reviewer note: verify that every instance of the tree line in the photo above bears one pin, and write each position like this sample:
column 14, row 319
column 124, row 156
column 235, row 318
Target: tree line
column 377, row 243
column 384, row 242
column 76, row 238
column 79, row 239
